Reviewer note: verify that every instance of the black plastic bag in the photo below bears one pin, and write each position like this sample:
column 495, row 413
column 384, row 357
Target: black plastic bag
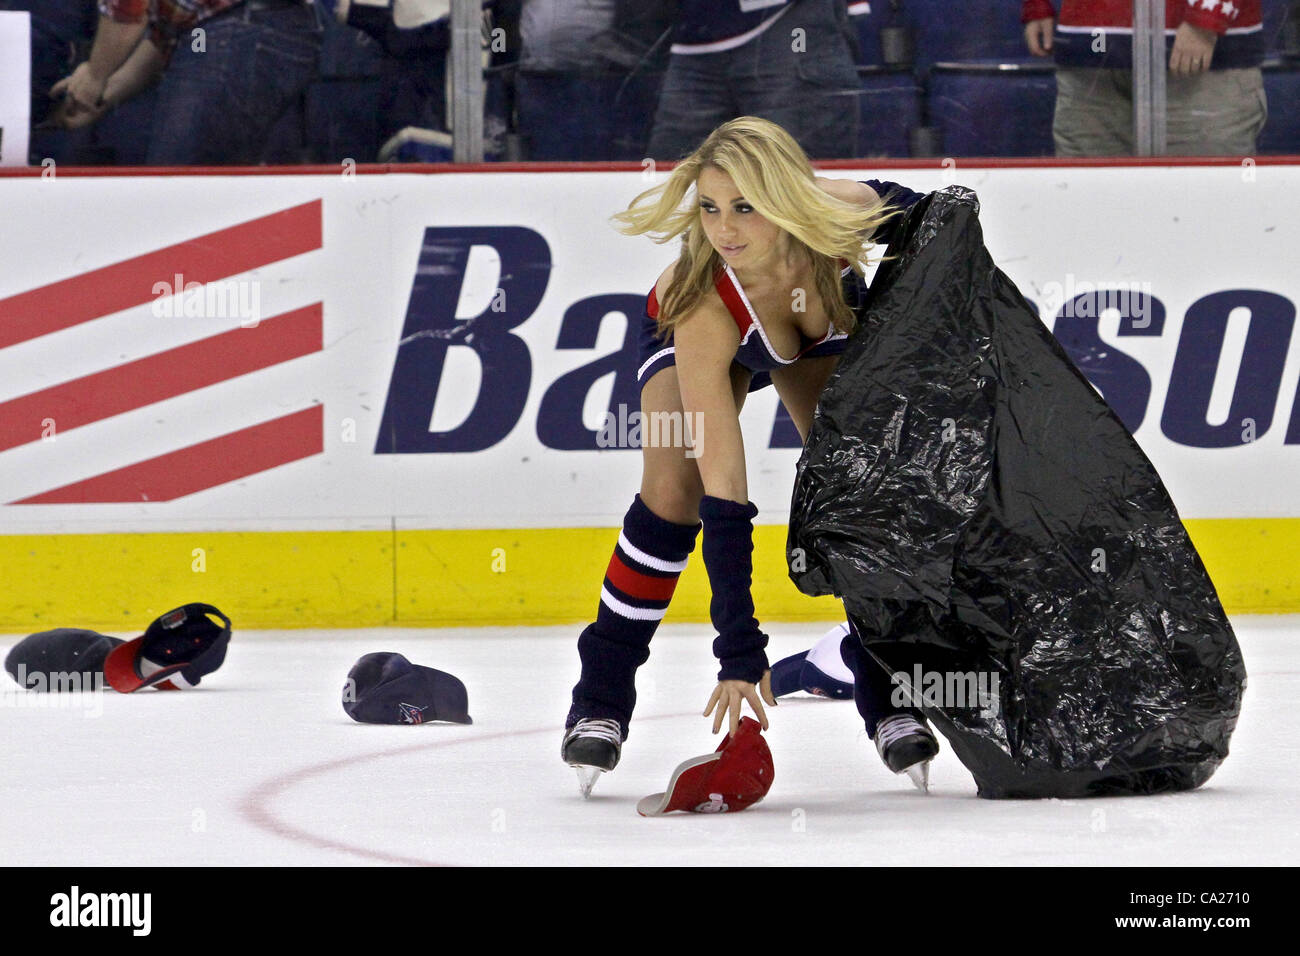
column 980, row 509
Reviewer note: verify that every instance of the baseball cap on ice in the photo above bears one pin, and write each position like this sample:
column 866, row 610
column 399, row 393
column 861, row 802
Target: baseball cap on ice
column 47, row 660
column 178, row 649
column 386, row 688
column 736, row 775
column 820, row 670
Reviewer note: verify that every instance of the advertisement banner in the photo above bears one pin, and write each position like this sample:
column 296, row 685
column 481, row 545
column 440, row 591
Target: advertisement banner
column 456, row 351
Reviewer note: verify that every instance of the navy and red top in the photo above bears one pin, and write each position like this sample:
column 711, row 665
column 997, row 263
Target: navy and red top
column 755, row 351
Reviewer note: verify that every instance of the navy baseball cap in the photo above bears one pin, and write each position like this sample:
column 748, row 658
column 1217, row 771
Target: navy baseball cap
column 820, row 671
column 177, row 650
column 386, row 688
column 45, row 661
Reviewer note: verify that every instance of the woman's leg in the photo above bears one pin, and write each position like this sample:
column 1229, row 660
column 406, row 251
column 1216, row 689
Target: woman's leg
column 659, row 532
column 875, row 693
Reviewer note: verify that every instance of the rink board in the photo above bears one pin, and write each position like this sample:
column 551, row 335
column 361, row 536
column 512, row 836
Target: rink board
column 403, row 397
column 524, row 576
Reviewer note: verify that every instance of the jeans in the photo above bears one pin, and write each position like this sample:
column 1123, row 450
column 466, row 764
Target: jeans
column 806, row 83
column 218, row 103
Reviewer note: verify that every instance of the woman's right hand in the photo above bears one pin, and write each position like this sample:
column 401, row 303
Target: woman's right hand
column 730, row 695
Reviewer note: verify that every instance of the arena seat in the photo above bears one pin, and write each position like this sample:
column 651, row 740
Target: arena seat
column 889, row 108
column 586, row 117
column 984, row 29
column 1282, row 88
column 340, row 117
column 993, row 108
column 1273, row 13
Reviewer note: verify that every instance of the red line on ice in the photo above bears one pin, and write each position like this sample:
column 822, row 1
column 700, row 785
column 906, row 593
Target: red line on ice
column 255, row 806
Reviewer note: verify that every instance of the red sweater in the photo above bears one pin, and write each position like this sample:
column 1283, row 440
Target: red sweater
column 1077, row 41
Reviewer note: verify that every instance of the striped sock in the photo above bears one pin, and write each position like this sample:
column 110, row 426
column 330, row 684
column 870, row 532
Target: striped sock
column 650, row 555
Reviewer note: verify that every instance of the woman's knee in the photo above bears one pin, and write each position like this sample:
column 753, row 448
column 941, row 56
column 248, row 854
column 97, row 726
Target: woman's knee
column 673, row 498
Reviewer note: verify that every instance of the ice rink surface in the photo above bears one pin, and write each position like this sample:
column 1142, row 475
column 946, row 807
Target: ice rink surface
column 260, row 766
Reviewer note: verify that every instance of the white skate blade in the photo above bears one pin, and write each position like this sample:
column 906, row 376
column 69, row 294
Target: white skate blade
column 587, row 777
column 920, row 775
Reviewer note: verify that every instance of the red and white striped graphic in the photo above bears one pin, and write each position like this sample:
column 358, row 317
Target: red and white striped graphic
column 85, row 400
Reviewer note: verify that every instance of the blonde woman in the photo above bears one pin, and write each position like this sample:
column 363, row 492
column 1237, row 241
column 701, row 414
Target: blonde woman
column 762, row 293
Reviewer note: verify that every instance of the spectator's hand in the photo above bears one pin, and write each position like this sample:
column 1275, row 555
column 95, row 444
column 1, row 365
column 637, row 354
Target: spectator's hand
column 71, row 115
column 1038, row 36
column 729, row 695
column 1193, row 48
column 83, row 87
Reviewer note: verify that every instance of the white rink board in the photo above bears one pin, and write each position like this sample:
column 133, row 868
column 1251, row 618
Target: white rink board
column 1188, row 232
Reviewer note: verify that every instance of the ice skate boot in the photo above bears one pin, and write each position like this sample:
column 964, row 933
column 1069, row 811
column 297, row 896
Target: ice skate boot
column 907, row 745
column 592, row 746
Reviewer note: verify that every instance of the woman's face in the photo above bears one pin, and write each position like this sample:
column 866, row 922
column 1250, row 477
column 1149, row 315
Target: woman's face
column 735, row 229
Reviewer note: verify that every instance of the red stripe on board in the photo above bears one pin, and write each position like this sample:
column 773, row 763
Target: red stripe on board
column 635, row 584
column 164, row 375
column 205, row 465
column 125, row 284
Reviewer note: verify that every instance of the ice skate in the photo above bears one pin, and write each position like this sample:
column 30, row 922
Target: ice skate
column 592, row 746
column 907, row 745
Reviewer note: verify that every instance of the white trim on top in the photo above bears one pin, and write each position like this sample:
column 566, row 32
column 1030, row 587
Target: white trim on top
column 640, row 373
column 753, row 316
column 730, row 43
column 1169, row 31
column 830, row 336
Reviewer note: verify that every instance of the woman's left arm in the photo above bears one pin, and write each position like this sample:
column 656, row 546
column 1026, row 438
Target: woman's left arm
column 849, row 191
column 706, row 344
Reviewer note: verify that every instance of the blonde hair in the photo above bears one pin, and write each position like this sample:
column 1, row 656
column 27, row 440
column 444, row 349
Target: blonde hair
column 772, row 172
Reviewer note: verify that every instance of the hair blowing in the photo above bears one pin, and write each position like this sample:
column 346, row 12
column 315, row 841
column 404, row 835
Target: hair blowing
column 772, row 172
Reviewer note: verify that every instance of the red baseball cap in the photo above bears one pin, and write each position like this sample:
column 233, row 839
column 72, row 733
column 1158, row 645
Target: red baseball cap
column 174, row 653
column 736, row 775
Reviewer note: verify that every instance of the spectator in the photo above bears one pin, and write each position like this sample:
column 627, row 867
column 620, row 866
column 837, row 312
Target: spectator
column 788, row 61
column 232, row 69
column 1214, row 92
column 416, row 39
